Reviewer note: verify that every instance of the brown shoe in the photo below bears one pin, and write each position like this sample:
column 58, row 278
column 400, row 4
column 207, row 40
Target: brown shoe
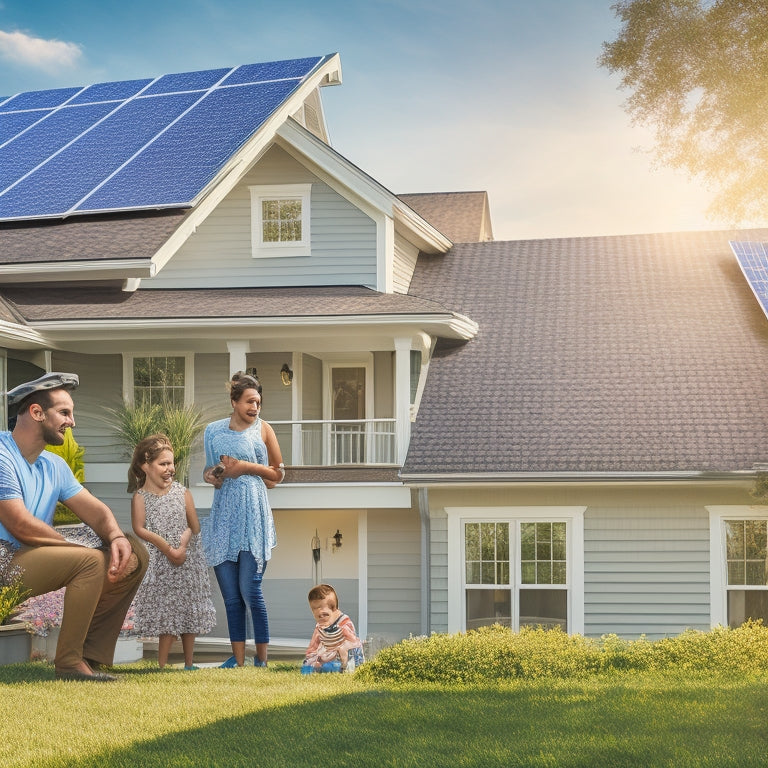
column 76, row 674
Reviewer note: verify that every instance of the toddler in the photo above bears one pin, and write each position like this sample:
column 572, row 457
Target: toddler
column 334, row 646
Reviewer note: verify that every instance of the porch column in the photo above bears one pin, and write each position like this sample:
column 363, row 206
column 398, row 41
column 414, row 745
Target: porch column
column 402, row 397
column 237, row 352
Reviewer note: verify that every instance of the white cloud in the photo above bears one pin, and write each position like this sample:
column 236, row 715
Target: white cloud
column 48, row 55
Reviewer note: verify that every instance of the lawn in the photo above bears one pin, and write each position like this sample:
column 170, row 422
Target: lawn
column 277, row 717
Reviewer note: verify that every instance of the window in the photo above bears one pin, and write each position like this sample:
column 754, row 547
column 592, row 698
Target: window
column 280, row 220
column 522, row 567
column 738, row 564
column 157, row 380
column 746, row 553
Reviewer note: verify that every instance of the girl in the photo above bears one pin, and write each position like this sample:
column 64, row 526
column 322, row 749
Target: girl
column 243, row 459
column 175, row 597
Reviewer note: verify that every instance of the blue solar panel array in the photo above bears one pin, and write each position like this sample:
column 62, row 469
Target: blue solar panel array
column 753, row 260
column 133, row 144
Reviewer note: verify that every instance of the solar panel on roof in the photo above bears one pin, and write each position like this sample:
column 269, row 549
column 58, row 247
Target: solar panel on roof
column 753, row 260
column 134, row 143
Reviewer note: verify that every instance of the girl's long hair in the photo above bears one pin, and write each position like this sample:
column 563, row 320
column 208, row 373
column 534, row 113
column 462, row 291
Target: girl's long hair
column 146, row 452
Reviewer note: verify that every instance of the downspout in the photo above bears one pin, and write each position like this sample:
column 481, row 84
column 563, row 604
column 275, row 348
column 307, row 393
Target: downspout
column 426, row 591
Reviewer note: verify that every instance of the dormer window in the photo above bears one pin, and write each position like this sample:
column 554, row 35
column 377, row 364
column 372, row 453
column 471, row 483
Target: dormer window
column 280, row 220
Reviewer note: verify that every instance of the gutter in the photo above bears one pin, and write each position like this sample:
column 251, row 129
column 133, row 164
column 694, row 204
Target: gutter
column 454, row 478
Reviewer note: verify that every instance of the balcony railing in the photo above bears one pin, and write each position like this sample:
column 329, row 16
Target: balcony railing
column 331, row 443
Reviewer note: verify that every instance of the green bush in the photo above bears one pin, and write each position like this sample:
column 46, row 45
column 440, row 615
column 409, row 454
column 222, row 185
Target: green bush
column 495, row 653
column 182, row 425
column 73, row 454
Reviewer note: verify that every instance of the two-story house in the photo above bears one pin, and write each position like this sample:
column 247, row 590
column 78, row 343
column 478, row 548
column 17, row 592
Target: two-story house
column 554, row 431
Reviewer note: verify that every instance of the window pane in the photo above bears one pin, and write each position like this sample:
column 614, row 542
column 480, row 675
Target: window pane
column 271, row 232
column 559, row 573
column 488, row 573
column 747, row 604
column 528, row 541
column 528, row 573
column 488, row 541
column 746, row 551
column 544, row 607
column 502, row 542
column 270, row 210
column 488, row 606
column 158, row 380
column 472, row 541
column 502, row 572
column 473, row 572
column 544, row 573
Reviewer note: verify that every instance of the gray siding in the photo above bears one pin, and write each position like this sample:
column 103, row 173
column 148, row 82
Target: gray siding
column 646, row 571
column 394, row 574
column 101, row 387
column 343, row 240
column 438, row 576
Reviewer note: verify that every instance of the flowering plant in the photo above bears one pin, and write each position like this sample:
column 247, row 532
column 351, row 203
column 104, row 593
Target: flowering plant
column 43, row 613
column 12, row 591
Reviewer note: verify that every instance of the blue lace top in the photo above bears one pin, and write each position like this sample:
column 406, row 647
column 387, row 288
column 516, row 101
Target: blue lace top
column 241, row 518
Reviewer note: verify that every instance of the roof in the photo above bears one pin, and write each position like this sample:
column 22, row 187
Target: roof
column 135, row 236
column 632, row 354
column 139, row 144
column 41, row 302
column 463, row 217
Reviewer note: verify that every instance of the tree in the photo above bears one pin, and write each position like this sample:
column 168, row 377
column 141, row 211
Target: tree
column 698, row 73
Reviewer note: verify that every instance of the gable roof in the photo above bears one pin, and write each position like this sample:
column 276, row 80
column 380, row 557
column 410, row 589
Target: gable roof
column 139, row 144
column 595, row 356
column 463, row 217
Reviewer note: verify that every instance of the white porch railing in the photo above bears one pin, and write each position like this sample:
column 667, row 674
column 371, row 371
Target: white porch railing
column 329, row 443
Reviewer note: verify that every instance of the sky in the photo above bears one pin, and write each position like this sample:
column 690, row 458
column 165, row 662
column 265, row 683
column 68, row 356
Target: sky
column 437, row 95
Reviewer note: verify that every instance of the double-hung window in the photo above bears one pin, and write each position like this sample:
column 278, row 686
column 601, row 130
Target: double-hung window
column 280, row 220
column 739, row 564
column 517, row 567
column 156, row 379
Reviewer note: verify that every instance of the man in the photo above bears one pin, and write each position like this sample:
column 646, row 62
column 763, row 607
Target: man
column 100, row 582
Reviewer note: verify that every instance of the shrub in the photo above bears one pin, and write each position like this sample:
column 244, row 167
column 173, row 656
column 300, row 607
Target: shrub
column 495, row 654
column 183, row 424
column 73, row 454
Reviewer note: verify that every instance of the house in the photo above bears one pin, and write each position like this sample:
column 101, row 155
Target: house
column 552, row 431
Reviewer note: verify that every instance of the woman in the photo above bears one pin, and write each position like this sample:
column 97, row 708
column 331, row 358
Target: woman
column 242, row 457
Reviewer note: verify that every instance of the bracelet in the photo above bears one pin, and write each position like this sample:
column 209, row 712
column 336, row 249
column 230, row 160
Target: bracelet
column 118, row 537
column 281, row 468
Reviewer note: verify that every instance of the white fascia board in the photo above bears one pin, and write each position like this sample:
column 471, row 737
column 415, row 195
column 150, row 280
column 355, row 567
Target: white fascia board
column 446, row 480
column 324, row 496
column 346, row 178
column 329, row 73
column 448, row 325
column 41, row 272
column 20, row 336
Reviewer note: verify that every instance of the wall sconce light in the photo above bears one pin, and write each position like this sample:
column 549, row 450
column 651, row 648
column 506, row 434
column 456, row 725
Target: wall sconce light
column 286, row 375
column 336, row 540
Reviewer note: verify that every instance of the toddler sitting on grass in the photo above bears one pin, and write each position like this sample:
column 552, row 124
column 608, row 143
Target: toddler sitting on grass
column 335, row 646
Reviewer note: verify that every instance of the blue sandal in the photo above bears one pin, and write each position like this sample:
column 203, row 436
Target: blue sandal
column 229, row 663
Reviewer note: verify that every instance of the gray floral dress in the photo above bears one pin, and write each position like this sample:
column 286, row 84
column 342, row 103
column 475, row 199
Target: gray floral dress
column 173, row 599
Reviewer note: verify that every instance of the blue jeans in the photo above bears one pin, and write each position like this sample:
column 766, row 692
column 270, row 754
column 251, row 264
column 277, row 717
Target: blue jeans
column 240, row 585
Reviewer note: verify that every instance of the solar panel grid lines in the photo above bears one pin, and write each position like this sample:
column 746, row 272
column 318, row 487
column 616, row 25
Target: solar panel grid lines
column 141, row 143
column 753, row 260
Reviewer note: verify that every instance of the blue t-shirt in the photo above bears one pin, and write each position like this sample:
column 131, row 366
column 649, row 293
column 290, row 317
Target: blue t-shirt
column 40, row 485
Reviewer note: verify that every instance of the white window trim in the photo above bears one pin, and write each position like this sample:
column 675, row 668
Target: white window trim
column 189, row 384
column 573, row 516
column 259, row 193
column 718, row 580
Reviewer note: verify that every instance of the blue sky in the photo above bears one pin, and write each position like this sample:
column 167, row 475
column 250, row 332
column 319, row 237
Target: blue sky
column 437, row 95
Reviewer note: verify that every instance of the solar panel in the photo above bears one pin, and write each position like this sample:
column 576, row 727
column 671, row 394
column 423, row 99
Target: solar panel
column 134, row 143
column 753, row 260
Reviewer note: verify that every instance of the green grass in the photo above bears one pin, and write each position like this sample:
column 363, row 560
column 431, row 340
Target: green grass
column 277, row 717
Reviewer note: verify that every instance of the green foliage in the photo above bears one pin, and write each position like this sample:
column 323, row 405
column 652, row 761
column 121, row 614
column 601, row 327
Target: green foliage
column 697, row 70
column 12, row 592
column 73, row 454
column 183, row 424
column 759, row 490
column 495, row 653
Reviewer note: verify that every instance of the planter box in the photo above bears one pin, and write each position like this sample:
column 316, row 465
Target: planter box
column 15, row 644
column 128, row 649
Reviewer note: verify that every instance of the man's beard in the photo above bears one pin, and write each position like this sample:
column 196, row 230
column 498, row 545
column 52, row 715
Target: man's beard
column 52, row 436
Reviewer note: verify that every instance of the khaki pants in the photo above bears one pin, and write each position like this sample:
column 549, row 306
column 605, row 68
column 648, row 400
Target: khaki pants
column 94, row 607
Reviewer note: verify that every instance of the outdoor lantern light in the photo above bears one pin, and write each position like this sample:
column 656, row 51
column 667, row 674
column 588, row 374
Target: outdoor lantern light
column 337, row 539
column 286, row 375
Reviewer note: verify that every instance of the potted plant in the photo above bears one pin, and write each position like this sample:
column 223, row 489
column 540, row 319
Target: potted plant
column 15, row 643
